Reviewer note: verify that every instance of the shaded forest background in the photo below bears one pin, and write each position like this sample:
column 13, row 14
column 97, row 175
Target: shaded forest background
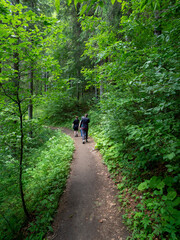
column 116, row 60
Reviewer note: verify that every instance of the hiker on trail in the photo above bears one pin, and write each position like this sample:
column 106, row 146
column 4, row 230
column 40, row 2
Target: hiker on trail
column 80, row 125
column 84, row 128
column 75, row 126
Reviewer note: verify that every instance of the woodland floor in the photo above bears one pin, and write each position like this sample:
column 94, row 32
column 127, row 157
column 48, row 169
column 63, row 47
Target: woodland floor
column 88, row 209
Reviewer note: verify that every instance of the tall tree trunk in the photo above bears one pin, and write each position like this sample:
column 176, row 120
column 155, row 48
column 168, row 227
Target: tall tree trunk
column 77, row 88
column 96, row 93
column 101, row 89
column 30, row 107
column 45, row 85
column 158, row 29
column 18, row 102
column 17, row 72
column 77, row 83
column 21, row 159
column 17, row 85
column 157, row 15
column 101, row 82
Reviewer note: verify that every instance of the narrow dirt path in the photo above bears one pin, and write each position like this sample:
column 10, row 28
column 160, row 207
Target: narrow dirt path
column 88, row 209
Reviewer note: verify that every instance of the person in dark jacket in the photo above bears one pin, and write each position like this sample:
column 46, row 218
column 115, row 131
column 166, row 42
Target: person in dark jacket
column 76, row 126
column 84, row 127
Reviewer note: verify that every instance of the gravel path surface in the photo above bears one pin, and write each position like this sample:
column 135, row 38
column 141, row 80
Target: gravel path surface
column 88, row 209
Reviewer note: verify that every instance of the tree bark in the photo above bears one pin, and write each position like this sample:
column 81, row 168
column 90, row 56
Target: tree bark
column 18, row 101
column 30, row 107
column 21, row 160
column 96, row 93
column 17, row 84
column 101, row 89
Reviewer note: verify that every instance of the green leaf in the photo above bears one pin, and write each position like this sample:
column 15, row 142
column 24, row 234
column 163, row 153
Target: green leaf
column 143, row 4
column 83, row 9
column 160, row 185
column 168, row 181
column 70, row 1
column 171, row 194
column 146, row 221
column 176, row 202
column 170, row 156
column 50, row 229
column 143, row 186
column 113, row 1
column 163, row 210
column 57, row 5
column 154, row 181
column 101, row 4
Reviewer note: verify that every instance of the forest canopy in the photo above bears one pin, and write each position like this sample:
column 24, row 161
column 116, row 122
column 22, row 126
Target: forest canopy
column 118, row 60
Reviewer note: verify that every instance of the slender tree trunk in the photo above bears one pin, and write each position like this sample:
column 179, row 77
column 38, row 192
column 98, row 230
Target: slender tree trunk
column 101, row 82
column 21, row 160
column 158, row 29
column 17, row 72
column 45, row 85
column 77, row 87
column 96, row 93
column 30, row 107
column 77, row 83
column 101, row 89
column 31, row 93
column 157, row 15
column 17, row 84
column 18, row 102
column 82, row 91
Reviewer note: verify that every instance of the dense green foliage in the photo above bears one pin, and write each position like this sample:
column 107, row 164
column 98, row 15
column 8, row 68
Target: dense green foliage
column 121, row 60
column 45, row 173
column 34, row 161
column 137, row 120
column 45, row 181
column 58, row 108
column 136, row 124
column 154, row 212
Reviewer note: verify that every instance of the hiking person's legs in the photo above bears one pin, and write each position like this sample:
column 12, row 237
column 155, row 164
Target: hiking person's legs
column 83, row 135
column 76, row 132
column 86, row 135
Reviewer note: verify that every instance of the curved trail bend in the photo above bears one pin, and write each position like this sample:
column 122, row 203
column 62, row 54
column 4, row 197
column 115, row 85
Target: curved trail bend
column 88, row 209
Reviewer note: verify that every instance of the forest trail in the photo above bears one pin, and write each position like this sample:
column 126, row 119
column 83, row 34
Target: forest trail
column 88, row 209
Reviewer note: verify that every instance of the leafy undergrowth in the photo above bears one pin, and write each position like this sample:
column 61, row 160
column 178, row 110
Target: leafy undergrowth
column 44, row 178
column 149, row 197
column 45, row 182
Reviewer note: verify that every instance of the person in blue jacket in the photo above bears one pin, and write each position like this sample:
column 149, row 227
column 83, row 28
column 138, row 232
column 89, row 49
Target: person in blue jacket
column 84, row 127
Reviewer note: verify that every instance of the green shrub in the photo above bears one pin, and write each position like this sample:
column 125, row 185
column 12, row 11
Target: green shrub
column 61, row 107
column 155, row 211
